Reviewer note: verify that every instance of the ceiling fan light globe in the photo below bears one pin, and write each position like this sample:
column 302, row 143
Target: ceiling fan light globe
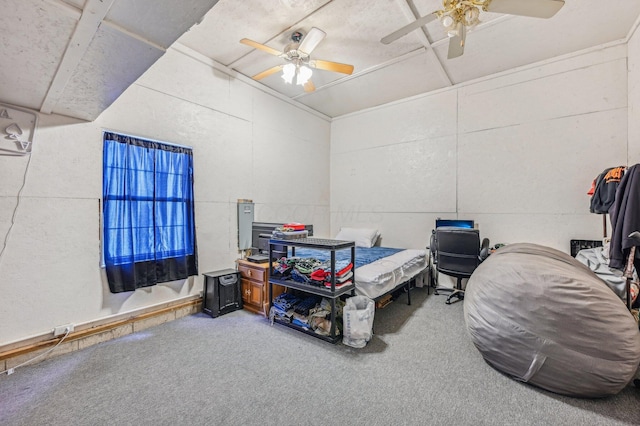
column 455, row 30
column 288, row 72
column 447, row 21
column 304, row 74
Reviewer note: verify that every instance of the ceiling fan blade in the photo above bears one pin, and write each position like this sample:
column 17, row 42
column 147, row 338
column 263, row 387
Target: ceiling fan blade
column 533, row 8
column 456, row 43
column 311, row 40
column 309, row 86
column 331, row 66
column 268, row 72
column 262, row 47
column 408, row 28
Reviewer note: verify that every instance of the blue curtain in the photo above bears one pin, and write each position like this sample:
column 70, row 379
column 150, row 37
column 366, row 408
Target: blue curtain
column 148, row 210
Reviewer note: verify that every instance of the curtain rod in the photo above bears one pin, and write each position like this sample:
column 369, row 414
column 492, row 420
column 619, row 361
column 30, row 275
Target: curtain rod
column 146, row 138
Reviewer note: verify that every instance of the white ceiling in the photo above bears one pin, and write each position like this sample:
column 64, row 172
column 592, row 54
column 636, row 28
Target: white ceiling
column 75, row 57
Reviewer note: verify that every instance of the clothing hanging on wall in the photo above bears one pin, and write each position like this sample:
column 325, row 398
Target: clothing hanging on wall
column 625, row 218
column 603, row 189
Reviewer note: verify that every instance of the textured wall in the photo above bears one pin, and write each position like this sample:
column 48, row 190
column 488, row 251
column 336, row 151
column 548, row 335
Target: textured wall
column 247, row 144
column 634, row 98
column 516, row 152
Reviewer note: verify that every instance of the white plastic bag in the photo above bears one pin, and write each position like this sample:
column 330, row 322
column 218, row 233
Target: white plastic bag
column 357, row 320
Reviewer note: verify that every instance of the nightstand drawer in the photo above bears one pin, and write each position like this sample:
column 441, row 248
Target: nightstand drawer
column 255, row 289
column 252, row 273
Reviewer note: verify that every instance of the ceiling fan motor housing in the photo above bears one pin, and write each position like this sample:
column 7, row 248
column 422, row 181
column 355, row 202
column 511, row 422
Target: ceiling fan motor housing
column 292, row 53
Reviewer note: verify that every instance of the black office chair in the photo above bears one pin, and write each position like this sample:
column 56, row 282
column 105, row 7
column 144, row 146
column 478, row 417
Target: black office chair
column 456, row 252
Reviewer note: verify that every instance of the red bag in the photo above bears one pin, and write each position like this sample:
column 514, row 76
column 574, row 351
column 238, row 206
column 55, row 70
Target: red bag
column 294, row 225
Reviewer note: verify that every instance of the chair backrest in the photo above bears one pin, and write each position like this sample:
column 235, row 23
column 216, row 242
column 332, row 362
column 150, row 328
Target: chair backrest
column 457, row 251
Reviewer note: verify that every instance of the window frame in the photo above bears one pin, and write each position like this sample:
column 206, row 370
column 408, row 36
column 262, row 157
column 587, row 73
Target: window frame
column 161, row 263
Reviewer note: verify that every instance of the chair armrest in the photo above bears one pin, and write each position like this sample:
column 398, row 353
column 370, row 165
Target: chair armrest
column 432, row 241
column 484, row 250
column 433, row 247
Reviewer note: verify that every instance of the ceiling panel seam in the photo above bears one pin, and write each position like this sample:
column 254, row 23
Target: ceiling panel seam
column 66, row 7
column 86, row 28
column 138, row 37
column 633, row 29
column 423, row 35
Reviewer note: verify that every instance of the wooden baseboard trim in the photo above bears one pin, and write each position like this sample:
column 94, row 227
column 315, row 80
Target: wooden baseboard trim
column 81, row 334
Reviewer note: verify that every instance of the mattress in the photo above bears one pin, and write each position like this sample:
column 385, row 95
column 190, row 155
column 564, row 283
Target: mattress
column 378, row 269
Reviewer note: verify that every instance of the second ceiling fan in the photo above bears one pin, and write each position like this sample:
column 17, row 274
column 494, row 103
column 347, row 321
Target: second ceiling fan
column 457, row 16
column 297, row 56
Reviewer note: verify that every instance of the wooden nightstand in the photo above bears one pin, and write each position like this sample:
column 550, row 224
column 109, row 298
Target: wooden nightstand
column 254, row 286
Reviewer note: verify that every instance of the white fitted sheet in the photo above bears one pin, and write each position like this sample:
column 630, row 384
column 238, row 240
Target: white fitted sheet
column 383, row 275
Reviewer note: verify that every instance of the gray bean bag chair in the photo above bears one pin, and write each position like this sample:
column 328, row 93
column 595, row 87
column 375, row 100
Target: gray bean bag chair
column 542, row 317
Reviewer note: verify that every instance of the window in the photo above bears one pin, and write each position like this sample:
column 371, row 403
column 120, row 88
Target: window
column 148, row 212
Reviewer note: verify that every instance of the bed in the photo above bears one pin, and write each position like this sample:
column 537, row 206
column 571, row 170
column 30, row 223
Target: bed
column 378, row 270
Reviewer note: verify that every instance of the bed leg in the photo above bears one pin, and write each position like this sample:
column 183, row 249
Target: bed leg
column 409, row 292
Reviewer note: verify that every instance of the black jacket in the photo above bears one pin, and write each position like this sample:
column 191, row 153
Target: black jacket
column 625, row 217
column 606, row 185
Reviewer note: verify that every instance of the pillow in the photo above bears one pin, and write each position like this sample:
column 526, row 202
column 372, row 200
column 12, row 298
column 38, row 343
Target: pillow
column 363, row 237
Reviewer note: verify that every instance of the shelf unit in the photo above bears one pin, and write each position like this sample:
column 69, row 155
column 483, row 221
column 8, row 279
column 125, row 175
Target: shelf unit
column 331, row 293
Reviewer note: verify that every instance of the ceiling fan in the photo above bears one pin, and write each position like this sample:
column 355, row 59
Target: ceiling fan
column 298, row 60
column 458, row 16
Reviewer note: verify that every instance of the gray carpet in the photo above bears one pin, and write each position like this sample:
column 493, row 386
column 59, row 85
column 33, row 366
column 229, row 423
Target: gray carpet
column 419, row 369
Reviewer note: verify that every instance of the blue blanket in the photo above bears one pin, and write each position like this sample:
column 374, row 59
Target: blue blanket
column 364, row 255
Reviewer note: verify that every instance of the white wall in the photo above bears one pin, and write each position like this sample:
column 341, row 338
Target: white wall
column 247, row 144
column 633, row 48
column 516, row 152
